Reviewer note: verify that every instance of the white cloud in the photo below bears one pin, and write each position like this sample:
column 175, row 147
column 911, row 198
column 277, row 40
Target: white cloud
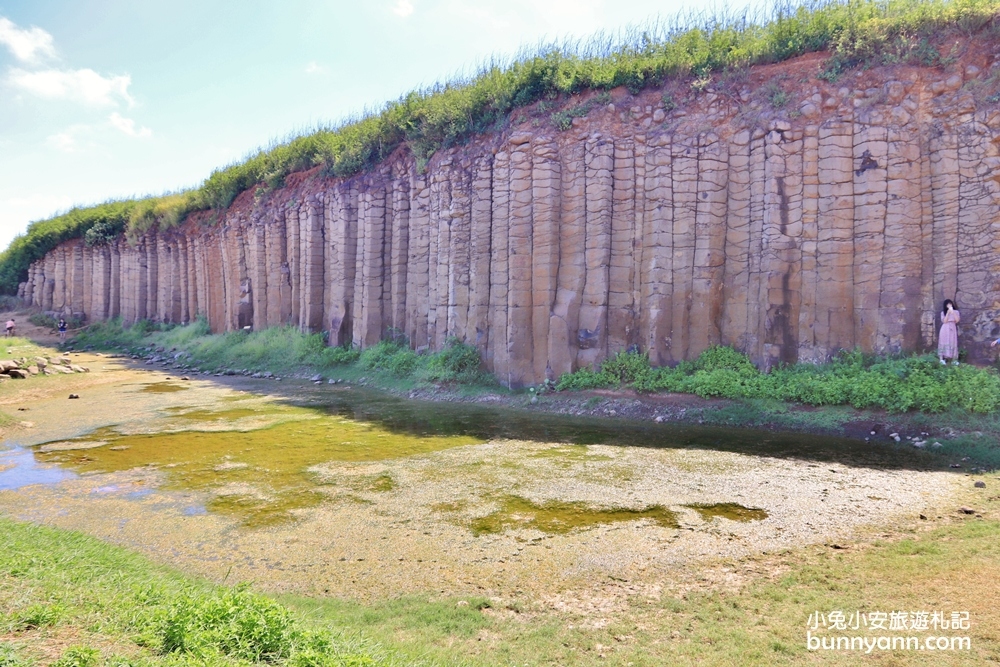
column 26, row 45
column 67, row 140
column 315, row 68
column 82, row 85
column 403, row 8
column 127, row 126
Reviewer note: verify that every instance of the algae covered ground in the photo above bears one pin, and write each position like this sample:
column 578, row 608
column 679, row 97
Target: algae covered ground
column 951, row 409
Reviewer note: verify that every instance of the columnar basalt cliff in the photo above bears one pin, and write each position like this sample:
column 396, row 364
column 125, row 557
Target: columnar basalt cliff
column 839, row 220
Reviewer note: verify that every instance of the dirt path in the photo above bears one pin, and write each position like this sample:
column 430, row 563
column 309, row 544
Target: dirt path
column 25, row 329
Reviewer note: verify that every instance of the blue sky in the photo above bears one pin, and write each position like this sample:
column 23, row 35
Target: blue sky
column 119, row 98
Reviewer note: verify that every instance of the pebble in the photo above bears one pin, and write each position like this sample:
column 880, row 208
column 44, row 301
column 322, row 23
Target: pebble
column 980, row 484
column 74, row 396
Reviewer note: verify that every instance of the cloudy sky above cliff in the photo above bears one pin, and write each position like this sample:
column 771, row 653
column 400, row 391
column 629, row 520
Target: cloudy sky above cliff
column 117, row 98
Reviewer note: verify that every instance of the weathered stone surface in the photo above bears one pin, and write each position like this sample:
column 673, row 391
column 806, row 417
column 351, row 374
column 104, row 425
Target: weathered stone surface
column 789, row 235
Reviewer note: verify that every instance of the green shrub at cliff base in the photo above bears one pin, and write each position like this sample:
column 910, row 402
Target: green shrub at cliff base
column 896, row 384
column 856, row 32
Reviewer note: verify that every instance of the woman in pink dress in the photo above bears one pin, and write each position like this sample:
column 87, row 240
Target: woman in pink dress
column 948, row 338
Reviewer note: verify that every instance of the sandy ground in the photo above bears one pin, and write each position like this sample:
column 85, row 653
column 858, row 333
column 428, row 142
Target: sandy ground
column 416, row 536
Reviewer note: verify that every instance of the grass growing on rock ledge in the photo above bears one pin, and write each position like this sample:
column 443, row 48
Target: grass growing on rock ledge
column 895, row 384
column 856, row 32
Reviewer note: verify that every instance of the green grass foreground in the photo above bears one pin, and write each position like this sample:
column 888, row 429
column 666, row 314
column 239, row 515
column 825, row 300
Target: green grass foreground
column 120, row 610
column 126, row 611
column 856, row 32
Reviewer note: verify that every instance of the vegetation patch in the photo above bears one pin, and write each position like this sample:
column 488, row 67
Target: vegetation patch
column 896, row 384
column 56, row 578
column 282, row 350
column 558, row 517
column 731, row 511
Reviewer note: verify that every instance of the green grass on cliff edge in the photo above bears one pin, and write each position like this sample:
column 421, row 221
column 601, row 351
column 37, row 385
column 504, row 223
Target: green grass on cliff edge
column 856, row 32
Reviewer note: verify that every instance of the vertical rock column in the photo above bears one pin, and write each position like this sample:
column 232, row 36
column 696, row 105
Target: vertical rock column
column 519, row 297
column 342, row 244
column 311, row 262
column 656, row 316
column 621, row 309
column 369, row 273
column 458, row 219
column 498, row 357
column 710, row 244
column 593, row 325
column 835, row 242
column 418, row 262
column 781, row 282
column 480, row 253
column 565, row 317
column 545, row 195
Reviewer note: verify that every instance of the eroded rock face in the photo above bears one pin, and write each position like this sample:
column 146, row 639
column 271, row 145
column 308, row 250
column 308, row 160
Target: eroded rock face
column 840, row 221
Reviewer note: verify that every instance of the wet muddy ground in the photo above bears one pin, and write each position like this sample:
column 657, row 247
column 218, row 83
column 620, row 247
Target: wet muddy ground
column 324, row 490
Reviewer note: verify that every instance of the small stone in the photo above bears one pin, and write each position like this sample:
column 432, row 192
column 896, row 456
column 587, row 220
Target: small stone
column 980, row 484
column 924, row 518
column 534, row 399
column 966, row 510
column 316, row 378
column 659, row 115
column 74, row 396
column 955, row 465
column 659, row 419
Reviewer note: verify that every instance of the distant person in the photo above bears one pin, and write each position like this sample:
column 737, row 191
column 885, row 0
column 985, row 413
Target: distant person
column 62, row 330
column 10, row 327
column 948, row 337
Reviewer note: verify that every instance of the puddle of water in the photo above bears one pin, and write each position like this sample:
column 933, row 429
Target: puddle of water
column 19, row 467
column 731, row 511
column 558, row 517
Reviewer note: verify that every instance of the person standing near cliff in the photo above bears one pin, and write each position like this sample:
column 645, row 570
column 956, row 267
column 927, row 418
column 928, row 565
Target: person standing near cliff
column 948, row 337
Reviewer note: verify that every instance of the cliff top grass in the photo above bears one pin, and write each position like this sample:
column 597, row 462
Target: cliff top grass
column 856, row 32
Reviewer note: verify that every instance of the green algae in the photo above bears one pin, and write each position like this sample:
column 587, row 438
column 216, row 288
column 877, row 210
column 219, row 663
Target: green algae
column 382, row 483
column 569, row 454
column 559, row 517
column 163, row 387
column 216, row 415
column 731, row 511
column 269, row 467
